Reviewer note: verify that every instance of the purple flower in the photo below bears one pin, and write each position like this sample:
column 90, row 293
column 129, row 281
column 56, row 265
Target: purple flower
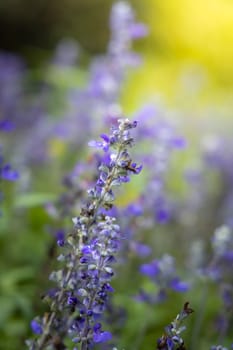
column 134, row 209
column 179, row 286
column 72, row 301
column 7, row 173
column 90, row 251
column 101, row 144
column 6, row 125
column 142, row 250
column 135, row 168
column 102, row 337
column 36, row 327
column 172, row 340
column 138, row 30
column 163, row 273
column 178, row 142
column 60, row 236
column 151, row 270
column 162, row 215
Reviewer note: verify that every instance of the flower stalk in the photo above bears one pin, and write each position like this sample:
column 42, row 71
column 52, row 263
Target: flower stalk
column 89, row 251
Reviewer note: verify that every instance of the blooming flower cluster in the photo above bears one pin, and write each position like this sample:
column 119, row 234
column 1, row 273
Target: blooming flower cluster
column 83, row 283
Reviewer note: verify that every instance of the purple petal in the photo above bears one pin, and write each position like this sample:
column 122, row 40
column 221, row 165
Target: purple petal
column 178, row 142
column 9, row 174
column 134, row 209
column 141, row 249
column 162, row 216
column 138, row 30
column 36, row 327
column 102, row 337
column 151, row 269
column 6, row 125
column 105, row 137
column 179, row 286
column 95, row 144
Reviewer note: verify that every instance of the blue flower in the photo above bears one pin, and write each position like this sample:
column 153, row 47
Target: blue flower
column 6, row 125
column 100, row 336
column 163, row 273
column 7, row 173
column 36, row 327
column 172, row 340
column 90, row 251
column 151, row 269
column 101, row 144
column 178, row 285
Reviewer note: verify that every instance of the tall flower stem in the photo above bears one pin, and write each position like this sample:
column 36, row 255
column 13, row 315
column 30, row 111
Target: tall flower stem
column 89, row 251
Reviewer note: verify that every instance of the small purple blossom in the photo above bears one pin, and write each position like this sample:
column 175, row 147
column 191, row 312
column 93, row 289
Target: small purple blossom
column 72, row 301
column 179, row 286
column 6, row 125
column 100, row 336
column 151, row 270
column 60, row 237
column 138, row 30
column 9, row 174
column 101, row 144
column 36, row 327
column 162, row 215
column 141, row 249
column 163, row 273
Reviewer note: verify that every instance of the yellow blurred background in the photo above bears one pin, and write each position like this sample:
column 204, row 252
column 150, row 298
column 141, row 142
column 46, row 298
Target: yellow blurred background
column 188, row 54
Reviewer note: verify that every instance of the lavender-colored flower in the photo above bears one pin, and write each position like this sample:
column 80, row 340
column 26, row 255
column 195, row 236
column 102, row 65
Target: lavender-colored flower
column 6, row 125
column 124, row 29
column 151, row 270
column 172, row 339
column 89, row 253
column 163, row 273
column 100, row 336
column 7, row 173
column 36, row 327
